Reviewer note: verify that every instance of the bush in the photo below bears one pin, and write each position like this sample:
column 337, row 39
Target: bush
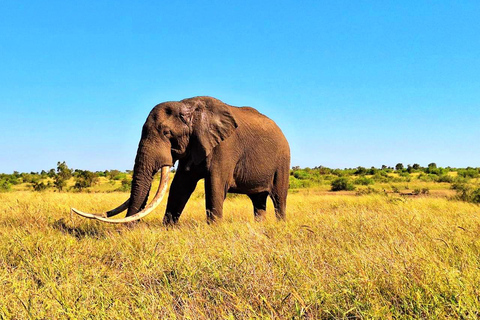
column 475, row 197
column 85, row 179
column 295, row 183
column 365, row 191
column 380, row 177
column 302, row 175
column 425, row 177
column 342, row 183
column 40, row 186
column 115, row 175
column 323, row 170
column 468, row 173
column 467, row 193
column 364, row 181
column 126, row 185
column 30, row 178
column 5, row 185
column 360, row 171
column 444, row 178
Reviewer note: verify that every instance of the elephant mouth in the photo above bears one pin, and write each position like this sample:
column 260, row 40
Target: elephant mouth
column 105, row 216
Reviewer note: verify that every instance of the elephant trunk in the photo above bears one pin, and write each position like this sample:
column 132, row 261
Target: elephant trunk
column 148, row 161
column 141, row 184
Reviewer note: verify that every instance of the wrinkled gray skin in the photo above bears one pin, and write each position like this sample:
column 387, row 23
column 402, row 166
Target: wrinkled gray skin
column 234, row 149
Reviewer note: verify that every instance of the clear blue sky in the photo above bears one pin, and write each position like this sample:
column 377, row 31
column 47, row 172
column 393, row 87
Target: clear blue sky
column 351, row 83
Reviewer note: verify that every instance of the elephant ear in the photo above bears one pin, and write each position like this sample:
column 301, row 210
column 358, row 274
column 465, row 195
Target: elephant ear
column 212, row 123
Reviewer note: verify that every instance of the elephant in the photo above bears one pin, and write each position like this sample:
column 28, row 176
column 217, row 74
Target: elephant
column 234, row 149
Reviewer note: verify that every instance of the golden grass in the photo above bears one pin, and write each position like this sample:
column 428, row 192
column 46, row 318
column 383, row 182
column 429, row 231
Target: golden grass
column 335, row 257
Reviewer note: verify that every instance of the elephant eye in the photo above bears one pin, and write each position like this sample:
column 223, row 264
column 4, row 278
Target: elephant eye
column 167, row 133
column 183, row 118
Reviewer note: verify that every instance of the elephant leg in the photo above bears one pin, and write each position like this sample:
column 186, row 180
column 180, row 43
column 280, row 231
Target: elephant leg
column 259, row 201
column 279, row 193
column 215, row 193
column 183, row 185
column 279, row 200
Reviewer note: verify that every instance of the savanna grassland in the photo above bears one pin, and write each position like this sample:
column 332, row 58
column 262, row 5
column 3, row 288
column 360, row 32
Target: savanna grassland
column 381, row 251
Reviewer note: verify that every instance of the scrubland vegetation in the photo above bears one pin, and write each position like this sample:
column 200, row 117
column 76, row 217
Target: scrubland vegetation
column 391, row 243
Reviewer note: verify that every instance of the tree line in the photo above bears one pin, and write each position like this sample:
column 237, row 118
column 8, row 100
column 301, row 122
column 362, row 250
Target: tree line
column 466, row 181
column 57, row 179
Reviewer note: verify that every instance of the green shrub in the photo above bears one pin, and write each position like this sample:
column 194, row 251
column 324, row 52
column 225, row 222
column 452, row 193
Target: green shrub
column 295, row 183
column 475, row 196
column 467, row 192
column 404, row 174
column 302, row 175
column 85, row 179
column 460, row 180
column 342, row 183
column 40, row 186
column 364, row 181
column 120, row 176
column 5, row 185
column 360, row 171
column 381, row 176
column 444, row 178
column 431, row 177
column 126, row 185
column 468, row 173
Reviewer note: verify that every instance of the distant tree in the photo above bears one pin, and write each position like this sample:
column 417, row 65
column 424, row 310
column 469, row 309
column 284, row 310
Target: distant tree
column 51, row 173
column 432, row 168
column 63, row 174
column 416, row 166
column 384, row 167
column 43, row 174
column 360, row 171
column 40, row 186
column 323, row 170
column 85, row 179
column 399, row 166
column 115, row 175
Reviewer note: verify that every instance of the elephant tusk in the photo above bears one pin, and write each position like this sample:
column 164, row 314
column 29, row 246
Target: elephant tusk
column 162, row 189
column 111, row 213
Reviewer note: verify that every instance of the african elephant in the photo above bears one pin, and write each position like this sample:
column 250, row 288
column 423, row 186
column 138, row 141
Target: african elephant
column 235, row 149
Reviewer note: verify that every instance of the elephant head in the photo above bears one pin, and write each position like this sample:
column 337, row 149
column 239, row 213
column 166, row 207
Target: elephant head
column 190, row 129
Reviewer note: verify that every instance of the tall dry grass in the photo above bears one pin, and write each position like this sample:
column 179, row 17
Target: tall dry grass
column 372, row 256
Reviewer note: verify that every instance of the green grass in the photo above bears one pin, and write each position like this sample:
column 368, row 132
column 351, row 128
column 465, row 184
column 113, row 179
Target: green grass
column 341, row 256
